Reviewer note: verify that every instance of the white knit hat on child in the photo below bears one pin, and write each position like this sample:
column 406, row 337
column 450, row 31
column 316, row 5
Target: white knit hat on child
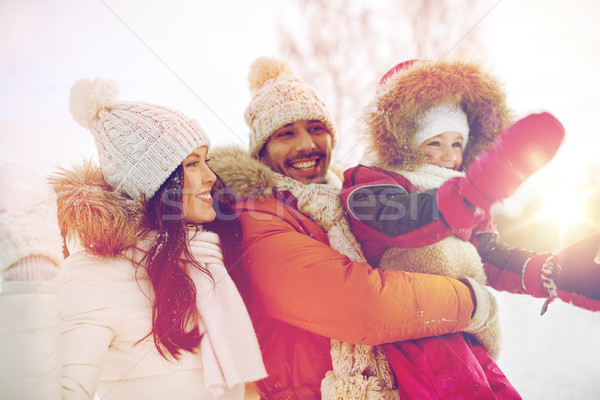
column 442, row 118
column 139, row 144
column 280, row 98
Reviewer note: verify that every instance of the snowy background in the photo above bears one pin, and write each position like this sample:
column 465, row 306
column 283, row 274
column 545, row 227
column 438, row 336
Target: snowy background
column 194, row 57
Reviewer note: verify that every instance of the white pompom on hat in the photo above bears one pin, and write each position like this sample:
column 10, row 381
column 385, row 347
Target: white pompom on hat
column 442, row 118
column 280, row 98
column 139, row 144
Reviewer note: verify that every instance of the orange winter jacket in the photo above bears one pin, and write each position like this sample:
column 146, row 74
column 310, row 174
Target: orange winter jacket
column 300, row 293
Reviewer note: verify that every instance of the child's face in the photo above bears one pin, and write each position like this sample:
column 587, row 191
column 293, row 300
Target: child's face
column 444, row 150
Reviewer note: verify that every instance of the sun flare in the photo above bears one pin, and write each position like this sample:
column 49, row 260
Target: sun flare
column 564, row 207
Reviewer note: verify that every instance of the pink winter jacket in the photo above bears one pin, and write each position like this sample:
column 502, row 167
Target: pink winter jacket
column 448, row 366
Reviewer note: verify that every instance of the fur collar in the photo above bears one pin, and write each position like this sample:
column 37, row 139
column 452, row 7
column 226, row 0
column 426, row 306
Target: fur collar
column 242, row 173
column 247, row 177
column 391, row 117
column 93, row 215
column 104, row 222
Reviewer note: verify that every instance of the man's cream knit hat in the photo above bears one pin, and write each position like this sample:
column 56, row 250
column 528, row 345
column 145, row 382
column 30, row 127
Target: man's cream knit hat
column 139, row 144
column 279, row 98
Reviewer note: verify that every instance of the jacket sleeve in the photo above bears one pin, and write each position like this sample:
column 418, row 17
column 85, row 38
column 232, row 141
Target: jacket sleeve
column 503, row 264
column 29, row 341
column 390, row 208
column 88, row 324
column 297, row 278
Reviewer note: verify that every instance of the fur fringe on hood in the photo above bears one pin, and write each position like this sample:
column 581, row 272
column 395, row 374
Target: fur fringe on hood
column 392, row 116
column 244, row 176
column 105, row 222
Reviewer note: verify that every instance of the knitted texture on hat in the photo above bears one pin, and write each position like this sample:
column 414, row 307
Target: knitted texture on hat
column 279, row 98
column 28, row 217
column 139, row 144
column 443, row 118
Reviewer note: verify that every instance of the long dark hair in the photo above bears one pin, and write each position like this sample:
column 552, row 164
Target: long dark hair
column 174, row 313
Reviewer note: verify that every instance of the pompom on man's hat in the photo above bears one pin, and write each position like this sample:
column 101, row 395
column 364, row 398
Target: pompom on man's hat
column 139, row 144
column 280, row 98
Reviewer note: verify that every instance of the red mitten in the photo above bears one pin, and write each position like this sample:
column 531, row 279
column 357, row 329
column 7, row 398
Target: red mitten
column 457, row 212
column 523, row 148
column 572, row 275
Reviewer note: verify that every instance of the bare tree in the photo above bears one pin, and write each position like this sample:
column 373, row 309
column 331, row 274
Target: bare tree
column 343, row 47
column 443, row 28
column 332, row 55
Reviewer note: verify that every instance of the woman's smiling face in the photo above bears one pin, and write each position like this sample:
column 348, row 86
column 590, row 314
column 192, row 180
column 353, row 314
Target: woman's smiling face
column 198, row 180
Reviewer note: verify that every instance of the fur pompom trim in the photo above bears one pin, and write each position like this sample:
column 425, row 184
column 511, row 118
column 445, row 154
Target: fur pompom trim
column 103, row 221
column 244, row 176
column 407, row 93
column 88, row 97
column 267, row 68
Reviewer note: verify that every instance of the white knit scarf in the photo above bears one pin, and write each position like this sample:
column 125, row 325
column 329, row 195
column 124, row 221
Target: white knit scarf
column 428, row 176
column 229, row 349
column 359, row 372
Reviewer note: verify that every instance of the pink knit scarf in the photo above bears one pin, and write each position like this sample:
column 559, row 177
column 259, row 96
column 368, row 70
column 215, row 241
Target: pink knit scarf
column 229, row 349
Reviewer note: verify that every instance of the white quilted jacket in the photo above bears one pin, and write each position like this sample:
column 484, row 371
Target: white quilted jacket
column 117, row 312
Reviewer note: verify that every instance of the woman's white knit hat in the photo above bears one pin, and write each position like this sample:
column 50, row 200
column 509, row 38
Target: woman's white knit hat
column 279, row 98
column 139, row 144
column 442, row 118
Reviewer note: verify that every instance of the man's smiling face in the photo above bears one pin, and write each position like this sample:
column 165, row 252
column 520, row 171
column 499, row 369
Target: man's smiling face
column 300, row 150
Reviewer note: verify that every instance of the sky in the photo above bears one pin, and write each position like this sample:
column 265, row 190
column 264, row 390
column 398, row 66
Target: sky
column 547, row 55
column 193, row 56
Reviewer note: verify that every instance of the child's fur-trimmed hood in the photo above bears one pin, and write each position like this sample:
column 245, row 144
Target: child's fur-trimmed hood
column 410, row 91
column 103, row 221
